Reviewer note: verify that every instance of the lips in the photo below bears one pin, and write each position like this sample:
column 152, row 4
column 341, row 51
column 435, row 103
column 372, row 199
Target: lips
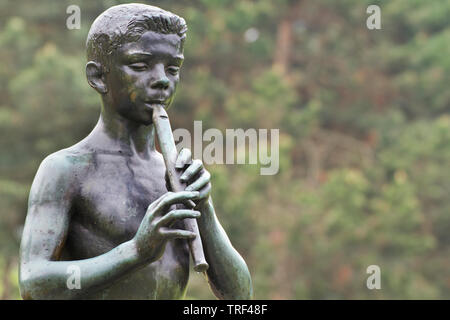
column 159, row 102
column 155, row 102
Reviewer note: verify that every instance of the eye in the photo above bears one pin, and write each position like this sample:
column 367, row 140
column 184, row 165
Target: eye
column 138, row 66
column 173, row 70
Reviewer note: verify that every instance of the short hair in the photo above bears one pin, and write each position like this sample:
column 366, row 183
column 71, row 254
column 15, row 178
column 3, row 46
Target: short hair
column 126, row 23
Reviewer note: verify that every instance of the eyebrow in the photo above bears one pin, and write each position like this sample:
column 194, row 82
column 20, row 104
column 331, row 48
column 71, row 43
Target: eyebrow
column 179, row 57
column 138, row 53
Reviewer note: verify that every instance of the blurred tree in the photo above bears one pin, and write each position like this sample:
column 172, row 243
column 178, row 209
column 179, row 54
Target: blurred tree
column 364, row 134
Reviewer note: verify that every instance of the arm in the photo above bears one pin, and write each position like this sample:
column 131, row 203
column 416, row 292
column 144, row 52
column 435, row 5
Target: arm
column 228, row 275
column 42, row 276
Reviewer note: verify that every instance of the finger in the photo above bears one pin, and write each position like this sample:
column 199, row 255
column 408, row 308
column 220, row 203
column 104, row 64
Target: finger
column 156, row 202
column 155, row 205
column 184, row 158
column 176, row 233
column 192, row 170
column 171, row 198
column 205, row 191
column 173, row 215
column 204, row 179
column 152, row 209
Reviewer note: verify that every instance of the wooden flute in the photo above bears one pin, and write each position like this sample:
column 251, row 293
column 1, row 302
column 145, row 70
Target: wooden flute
column 169, row 152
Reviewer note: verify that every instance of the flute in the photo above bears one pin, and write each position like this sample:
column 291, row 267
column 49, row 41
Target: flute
column 169, row 152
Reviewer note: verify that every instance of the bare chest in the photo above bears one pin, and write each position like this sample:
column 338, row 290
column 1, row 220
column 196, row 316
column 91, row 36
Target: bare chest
column 113, row 198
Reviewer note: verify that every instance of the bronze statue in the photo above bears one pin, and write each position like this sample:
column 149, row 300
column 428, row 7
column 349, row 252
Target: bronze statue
column 102, row 206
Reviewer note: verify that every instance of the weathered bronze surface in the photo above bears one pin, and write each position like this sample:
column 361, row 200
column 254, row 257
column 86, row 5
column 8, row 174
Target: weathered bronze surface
column 102, row 206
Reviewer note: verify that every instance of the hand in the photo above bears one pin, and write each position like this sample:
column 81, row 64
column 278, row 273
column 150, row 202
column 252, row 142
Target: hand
column 194, row 174
column 155, row 229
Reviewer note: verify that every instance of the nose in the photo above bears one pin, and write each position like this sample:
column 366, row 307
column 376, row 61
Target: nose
column 160, row 81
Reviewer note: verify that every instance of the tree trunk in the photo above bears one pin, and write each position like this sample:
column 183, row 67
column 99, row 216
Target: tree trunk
column 285, row 39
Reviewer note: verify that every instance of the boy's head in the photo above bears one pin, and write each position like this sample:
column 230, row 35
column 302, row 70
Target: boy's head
column 135, row 52
column 126, row 23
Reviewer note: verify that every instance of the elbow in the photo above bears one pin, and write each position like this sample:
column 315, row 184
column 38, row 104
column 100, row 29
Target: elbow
column 25, row 283
column 248, row 294
column 37, row 289
column 33, row 283
column 25, row 292
column 242, row 288
column 27, row 287
column 245, row 289
column 241, row 293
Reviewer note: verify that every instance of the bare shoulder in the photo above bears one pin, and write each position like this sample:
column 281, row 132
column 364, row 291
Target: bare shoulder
column 59, row 174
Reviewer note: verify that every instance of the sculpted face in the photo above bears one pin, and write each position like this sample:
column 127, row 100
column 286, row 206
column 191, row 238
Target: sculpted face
column 143, row 74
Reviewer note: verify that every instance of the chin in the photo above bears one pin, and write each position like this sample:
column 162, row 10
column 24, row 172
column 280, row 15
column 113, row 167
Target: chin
column 144, row 121
column 142, row 118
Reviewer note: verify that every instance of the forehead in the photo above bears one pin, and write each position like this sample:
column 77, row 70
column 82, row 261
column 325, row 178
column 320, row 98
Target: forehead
column 155, row 44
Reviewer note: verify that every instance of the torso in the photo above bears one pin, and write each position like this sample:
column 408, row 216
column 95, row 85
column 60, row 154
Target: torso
column 112, row 198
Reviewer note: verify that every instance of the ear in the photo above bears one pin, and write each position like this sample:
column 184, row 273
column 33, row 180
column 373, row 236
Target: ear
column 96, row 77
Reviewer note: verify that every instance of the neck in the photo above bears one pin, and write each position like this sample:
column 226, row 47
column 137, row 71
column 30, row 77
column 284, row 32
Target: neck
column 117, row 134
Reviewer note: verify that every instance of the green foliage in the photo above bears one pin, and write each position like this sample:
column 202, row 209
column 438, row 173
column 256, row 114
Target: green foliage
column 364, row 134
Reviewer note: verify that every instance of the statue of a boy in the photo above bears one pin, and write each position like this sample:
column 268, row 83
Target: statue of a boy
column 101, row 210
